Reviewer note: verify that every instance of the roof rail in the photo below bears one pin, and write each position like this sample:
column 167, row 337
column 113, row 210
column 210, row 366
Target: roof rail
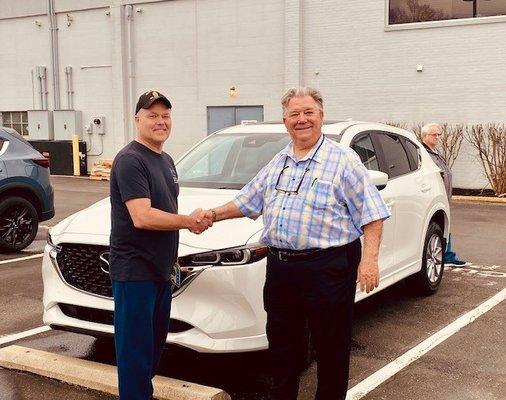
column 325, row 122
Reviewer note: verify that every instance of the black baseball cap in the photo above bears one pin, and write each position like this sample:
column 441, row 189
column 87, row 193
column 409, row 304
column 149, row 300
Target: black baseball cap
column 150, row 97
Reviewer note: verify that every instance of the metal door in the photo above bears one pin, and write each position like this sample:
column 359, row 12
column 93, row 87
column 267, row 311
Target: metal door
column 223, row 117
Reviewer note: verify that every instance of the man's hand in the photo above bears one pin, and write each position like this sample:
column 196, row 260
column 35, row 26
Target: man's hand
column 368, row 270
column 368, row 275
column 200, row 221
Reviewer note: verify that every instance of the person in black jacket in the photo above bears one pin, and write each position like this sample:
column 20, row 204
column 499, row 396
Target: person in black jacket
column 431, row 134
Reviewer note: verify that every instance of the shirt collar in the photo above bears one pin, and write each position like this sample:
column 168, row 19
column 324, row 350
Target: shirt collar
column 311, row 154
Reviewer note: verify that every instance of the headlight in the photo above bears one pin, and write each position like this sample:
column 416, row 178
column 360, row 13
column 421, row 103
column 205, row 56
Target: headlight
column 49, row 240
column 232, row 256
column 54, row 248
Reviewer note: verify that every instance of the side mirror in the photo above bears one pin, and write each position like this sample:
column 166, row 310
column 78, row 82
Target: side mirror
column 378, row 178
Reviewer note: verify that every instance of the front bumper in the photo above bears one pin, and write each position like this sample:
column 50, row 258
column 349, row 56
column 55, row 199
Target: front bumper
column 223, row 306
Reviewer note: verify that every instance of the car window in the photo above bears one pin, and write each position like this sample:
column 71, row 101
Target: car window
column 396, row 159
column 16, row 135
column 211, row 163
column 414, row 152
column 365, row 150
column 3, row 144
column 229, row 160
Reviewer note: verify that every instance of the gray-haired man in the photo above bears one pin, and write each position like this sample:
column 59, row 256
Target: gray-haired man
column 431, row 134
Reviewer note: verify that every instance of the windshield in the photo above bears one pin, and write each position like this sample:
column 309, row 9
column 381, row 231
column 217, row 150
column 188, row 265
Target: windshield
column 229, row 161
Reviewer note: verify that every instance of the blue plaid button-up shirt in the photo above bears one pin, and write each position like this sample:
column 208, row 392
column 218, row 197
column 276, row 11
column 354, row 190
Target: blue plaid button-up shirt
column 335, row 200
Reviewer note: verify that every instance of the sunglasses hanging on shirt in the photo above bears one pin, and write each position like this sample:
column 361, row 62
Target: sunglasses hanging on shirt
column 296, row 191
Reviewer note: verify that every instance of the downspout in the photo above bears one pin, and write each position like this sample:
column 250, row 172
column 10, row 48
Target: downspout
column 130, row 67
column 53, row 28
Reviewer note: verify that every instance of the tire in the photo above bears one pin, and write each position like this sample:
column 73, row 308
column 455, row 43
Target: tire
column 19, row 223
column 428, row 279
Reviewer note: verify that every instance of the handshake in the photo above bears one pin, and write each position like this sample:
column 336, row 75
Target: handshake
column 200, row 220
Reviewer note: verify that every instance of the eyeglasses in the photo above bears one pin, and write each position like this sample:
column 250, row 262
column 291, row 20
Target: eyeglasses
column 435, row 134
column 296, row 191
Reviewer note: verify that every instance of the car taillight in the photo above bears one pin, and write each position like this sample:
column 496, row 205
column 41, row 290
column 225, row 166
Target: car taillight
column 43, row 162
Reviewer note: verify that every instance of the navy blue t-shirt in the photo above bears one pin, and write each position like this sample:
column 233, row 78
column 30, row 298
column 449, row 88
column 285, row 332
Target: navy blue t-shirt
column 139, row 254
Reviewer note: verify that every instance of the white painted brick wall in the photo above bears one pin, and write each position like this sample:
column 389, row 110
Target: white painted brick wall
column 24, row 45
column 194, row 50
column 210, row 46
column 91, row 62
column 369, row 74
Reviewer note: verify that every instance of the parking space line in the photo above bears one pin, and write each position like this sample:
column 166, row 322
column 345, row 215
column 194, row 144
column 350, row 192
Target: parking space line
column 20, row 335
column 21, row 258
column 389, row 370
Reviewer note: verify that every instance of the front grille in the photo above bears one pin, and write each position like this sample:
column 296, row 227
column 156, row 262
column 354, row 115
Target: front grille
column 81, row 267
column 84, row 267
column 107, row 317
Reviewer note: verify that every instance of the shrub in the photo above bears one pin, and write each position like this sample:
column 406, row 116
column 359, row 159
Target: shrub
column 490, row 142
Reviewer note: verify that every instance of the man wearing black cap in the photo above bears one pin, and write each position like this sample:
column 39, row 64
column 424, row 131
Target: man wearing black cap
column 144, row 241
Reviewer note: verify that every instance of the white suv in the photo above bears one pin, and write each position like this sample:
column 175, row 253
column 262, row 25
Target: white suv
column 217, row 305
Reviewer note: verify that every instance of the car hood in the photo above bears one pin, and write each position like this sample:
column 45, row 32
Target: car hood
column 93, row 224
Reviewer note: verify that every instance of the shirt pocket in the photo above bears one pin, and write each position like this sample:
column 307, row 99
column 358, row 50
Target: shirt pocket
column 320, row 195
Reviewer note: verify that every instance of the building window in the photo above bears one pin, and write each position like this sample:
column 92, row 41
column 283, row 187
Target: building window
column 409, row 11
column 17, row 120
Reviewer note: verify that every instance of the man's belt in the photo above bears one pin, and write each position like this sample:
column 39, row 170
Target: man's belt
column 295, row 255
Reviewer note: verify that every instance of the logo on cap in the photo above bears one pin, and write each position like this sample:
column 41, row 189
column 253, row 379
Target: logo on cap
column 154, row 95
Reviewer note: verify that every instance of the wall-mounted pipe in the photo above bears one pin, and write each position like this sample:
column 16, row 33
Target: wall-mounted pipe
column 130, row 67
column 55, row 62
column 33, row 88
column 45, row 91
column 40, row 75
column 70, row 88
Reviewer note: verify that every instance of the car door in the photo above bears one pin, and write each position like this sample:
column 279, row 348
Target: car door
column 406, row 196
column 364, row 147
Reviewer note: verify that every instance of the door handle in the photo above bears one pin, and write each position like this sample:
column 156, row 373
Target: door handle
column 425, row 188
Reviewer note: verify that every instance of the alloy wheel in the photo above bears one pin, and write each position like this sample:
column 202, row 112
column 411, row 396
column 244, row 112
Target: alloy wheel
column 16, row 225
column 434, row 257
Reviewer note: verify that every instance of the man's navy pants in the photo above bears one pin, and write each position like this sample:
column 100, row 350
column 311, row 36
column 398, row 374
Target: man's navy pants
column 141, row 323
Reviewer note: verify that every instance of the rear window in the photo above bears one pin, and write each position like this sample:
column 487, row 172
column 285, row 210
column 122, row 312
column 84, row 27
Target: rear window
column 397, row 162
column 414, row 153
column 14, row 134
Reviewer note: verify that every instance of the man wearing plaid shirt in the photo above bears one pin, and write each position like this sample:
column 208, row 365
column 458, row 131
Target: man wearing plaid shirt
column 316, row 201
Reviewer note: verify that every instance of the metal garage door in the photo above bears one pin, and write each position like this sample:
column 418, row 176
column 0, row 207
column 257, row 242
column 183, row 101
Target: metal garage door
column 222, row 117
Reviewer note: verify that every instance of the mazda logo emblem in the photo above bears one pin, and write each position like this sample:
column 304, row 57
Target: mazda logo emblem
column 104, row 261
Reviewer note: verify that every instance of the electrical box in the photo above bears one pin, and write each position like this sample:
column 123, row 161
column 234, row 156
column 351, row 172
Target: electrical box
column 67, row 123
column 98, row 125
column 40, row 125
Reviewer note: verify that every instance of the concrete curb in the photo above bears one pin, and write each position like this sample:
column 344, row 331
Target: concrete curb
column 481, row 199
column 101, row 377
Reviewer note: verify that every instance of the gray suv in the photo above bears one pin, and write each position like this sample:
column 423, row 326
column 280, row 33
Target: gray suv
column 26, row 194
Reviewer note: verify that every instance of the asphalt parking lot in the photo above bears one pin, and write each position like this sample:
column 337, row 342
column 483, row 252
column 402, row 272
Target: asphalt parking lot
column 469, row 364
